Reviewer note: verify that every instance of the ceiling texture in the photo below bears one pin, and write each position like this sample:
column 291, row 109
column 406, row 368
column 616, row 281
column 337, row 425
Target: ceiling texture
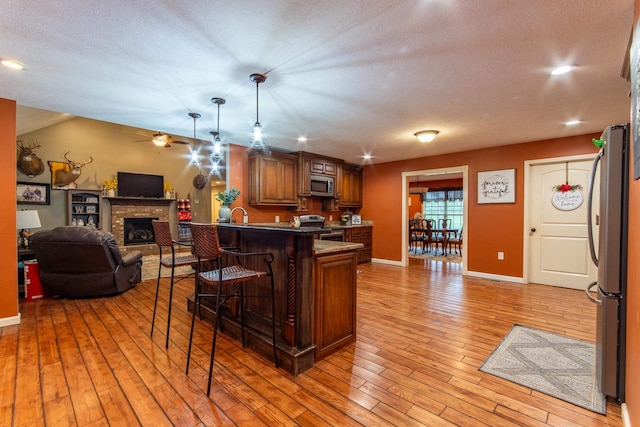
column 355, row 77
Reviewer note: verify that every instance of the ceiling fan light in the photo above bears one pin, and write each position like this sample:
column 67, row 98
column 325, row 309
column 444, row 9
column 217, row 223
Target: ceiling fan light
column 159, row 140
column 426, row 135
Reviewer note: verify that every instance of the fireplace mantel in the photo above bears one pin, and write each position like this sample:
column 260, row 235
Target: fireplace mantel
column 138, row 201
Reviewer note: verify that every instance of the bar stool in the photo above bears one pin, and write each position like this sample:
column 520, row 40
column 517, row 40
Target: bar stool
column 162, row 231
column 207, row 247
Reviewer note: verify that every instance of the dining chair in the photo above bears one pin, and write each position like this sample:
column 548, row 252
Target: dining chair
column 428, row 238
column 162, row 232
column 232, row 277
column 444, row 224
column 456, row 242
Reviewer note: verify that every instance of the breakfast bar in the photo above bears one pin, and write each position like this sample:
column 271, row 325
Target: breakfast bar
column 315, row 287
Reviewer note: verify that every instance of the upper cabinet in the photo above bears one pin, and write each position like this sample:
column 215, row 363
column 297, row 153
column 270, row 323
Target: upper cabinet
column 285, row 179
column 351, row 185
column 273, row 179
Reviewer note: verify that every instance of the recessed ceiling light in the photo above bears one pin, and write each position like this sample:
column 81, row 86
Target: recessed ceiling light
column 302, row 139
column 12, row 63
column 563, row 69
column 367, row 157
column 573, row 122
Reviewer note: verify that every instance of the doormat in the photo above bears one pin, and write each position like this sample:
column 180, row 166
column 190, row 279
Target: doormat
column 549, row 363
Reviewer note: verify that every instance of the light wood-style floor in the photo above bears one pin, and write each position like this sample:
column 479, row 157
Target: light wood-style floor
column 423, row 331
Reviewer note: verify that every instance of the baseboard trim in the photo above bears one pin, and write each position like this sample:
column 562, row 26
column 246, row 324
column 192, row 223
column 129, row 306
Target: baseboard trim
column 386, row 261
column 10, row 321
column 496, row 277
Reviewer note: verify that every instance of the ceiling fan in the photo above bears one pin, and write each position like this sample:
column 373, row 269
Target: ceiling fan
column 160, row 139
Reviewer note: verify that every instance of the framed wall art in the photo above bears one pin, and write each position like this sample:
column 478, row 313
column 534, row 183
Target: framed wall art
column 33, row 193
column 497, row 186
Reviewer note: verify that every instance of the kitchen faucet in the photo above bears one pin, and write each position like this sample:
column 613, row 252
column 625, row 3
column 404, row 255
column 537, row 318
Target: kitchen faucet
column 245, row 216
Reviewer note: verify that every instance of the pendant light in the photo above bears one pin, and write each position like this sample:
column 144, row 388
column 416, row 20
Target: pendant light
column 194, row 149
column 216, row 153
column 256, row 138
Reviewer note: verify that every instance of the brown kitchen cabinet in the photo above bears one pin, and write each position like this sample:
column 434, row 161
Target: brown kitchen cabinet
column 273, row 179
column 351, row 185
column 334, row 309
column 361, row 234
column 323, row 167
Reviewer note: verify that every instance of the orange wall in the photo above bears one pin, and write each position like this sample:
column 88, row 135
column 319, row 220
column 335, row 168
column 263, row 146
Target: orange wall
column 633, row 294
column 491, row 228
column 8, row 233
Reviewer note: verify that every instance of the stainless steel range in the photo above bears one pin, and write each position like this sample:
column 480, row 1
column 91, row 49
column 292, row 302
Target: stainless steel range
column 336, row 234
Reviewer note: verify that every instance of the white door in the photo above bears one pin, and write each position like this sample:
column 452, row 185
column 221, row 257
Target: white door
column 558, row 238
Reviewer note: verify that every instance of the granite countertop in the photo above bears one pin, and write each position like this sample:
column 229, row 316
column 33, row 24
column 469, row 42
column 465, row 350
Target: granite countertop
column 329, row 246
column 338, row 224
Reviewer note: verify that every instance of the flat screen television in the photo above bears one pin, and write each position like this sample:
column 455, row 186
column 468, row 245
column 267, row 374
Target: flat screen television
column 140, row 185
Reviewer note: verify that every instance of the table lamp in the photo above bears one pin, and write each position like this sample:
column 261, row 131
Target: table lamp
column 25, row 220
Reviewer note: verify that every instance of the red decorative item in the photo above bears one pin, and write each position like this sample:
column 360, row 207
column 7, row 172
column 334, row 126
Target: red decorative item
column 567, row 187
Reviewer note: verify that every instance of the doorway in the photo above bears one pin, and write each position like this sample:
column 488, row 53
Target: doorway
column 434, row 174
column 556, row 249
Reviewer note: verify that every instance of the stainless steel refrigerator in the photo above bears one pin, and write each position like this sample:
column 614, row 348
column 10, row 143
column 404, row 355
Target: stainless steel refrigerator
column 610, row 256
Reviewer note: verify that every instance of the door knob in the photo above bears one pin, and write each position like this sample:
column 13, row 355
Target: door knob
column 533, row 230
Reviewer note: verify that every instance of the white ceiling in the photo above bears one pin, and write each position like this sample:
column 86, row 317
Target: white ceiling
column 354, row 76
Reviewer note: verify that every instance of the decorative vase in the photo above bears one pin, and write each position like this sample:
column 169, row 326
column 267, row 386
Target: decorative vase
column 167, row 195
column 224, row 214
column 111, row 193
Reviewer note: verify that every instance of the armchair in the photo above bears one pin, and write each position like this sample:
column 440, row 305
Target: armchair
column 79, row 262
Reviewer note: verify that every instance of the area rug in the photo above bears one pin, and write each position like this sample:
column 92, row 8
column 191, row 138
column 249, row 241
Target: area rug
column 150, row 268
column 549, row 363
column 431, row 257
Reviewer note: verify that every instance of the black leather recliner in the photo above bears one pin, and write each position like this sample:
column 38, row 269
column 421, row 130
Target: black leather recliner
column 79, row 262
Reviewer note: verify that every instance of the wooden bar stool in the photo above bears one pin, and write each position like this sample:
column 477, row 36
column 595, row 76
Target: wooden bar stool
column 207, row 247
column 162, row 231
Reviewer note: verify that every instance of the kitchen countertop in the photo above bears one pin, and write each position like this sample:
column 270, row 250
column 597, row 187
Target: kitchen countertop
column 328, row 246
column 284, row 226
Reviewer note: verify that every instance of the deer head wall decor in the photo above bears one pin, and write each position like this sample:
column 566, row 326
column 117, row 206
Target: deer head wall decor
column 65, row 174
column 28, row 162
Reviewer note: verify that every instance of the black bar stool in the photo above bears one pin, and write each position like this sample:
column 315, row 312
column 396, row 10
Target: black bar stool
column 162, row 231
column 207, row 247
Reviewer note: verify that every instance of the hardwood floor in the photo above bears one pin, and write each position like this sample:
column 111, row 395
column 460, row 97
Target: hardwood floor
column 423, row 331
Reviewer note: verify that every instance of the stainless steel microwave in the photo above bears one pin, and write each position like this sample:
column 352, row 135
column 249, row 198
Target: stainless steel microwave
column 322, row 186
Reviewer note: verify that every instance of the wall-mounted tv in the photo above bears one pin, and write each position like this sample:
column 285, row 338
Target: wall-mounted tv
column 140, row 185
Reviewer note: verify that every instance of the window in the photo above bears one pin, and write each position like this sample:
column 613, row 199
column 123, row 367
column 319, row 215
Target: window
column 444, row 203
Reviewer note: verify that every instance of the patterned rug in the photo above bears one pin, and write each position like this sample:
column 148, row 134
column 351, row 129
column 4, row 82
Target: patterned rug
column 430, row 256
column 549, row 363
column 150, row 268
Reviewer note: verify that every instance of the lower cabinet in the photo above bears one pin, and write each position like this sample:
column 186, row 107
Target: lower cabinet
column 334, row 302
column 364, row 235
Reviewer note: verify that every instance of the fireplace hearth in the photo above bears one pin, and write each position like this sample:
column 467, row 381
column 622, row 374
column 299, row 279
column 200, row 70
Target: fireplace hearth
column 138, row 231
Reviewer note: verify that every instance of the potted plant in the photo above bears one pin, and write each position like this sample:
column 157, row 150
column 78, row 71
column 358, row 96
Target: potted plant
column 226, row 198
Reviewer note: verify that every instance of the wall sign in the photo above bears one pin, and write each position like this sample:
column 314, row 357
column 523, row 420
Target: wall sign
column 567, row 200
column 567, row 197
column 497, row 186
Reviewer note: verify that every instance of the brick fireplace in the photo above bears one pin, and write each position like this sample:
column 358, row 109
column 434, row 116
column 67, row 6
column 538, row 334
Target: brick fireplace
column 137, row 208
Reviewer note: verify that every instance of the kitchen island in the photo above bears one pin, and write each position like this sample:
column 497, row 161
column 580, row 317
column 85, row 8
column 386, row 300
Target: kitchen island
column 315, row 287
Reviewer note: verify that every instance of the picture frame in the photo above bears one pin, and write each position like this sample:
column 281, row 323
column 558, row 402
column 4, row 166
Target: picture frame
column 356, row 219
column 497, row 186
column 90, row 209
column 33, row 193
